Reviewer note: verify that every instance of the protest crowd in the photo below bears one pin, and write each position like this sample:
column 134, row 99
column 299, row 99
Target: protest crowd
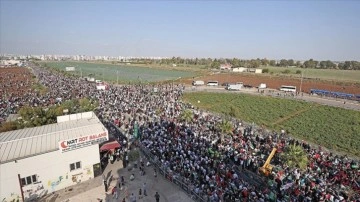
column 194, row 151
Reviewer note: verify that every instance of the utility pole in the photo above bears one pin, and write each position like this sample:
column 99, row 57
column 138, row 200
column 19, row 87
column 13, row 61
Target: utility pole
column 302, row 75
column 21, row 188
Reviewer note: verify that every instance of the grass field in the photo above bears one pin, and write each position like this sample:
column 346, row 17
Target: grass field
column 326, row 74
column 108, row 72
column 334, row 128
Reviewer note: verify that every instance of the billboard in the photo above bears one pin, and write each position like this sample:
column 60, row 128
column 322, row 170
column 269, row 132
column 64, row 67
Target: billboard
column 70, row 69
column 80, row 142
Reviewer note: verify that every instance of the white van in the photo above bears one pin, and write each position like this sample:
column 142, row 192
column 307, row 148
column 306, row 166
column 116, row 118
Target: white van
column 234, row 87
column 212, row 83
column 198, row 83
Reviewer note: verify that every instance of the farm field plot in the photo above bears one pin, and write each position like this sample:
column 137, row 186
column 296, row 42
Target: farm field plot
column 334, row 128
column 108, row 72
column 326, row 74
column 274, row 82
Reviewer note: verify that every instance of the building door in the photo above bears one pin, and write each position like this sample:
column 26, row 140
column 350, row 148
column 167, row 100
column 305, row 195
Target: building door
column 97, row 169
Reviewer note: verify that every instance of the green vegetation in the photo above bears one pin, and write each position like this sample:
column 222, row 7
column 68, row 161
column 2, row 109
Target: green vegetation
column 187, row 116
column 326, row 74
column 37, row 116
column 39, row 88
column 253, row 63
column 334, row 128
column 125, row 74
column 295, row 157
column 226, row 128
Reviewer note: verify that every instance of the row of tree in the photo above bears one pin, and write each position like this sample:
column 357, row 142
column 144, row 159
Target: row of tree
column 38, row 116
column 253, row 63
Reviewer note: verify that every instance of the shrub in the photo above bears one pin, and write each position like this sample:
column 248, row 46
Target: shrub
column 266, row 70
column 286, row 71
column 298, row 72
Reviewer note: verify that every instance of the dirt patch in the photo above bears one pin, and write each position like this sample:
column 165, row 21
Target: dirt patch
column 274, row 82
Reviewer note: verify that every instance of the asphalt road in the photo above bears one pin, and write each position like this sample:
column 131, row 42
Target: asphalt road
column 349, row 104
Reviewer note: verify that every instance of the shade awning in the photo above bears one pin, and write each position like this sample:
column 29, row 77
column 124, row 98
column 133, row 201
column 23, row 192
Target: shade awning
column 110, row 146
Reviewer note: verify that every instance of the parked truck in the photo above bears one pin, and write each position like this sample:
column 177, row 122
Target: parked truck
column 234, row 87
column 262, row 86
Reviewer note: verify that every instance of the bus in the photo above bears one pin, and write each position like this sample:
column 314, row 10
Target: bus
column 212, row 83
column 288, row 88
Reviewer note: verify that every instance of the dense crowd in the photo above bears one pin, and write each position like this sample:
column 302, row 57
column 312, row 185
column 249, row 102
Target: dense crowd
column 195, row 152
column 15, row 86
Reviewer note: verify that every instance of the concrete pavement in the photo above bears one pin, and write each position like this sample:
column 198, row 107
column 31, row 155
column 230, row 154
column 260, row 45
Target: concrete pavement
column 92, row 190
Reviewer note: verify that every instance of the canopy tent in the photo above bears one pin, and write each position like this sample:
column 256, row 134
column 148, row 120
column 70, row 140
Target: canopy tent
column 110, row 146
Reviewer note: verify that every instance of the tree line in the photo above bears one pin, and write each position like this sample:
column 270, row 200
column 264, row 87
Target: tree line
column 253, row 63
column 38, row 116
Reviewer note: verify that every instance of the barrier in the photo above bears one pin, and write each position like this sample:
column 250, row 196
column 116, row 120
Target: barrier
column 185, row 187
column 170, row 177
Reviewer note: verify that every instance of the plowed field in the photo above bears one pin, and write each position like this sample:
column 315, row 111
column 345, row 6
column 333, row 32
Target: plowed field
column 275, row 82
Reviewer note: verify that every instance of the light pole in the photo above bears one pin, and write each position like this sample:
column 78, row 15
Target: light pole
column 117, row 75
column 302, row 75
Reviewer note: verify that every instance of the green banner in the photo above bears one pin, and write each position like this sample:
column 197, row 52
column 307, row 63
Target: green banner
column 136, row 131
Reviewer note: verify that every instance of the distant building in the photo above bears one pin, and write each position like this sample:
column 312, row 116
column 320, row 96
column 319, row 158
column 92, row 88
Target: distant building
column 239, row 69
column 225, row 67
column 10, row 62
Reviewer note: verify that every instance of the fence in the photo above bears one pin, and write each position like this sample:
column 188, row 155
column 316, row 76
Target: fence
column 244, row 174
column 186, row 187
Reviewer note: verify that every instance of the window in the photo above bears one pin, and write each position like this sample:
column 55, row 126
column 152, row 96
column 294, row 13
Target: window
column 75, row 166
column 29, row 180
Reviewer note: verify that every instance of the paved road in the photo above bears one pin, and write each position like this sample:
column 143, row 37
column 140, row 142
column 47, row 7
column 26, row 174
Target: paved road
column 92, row 190
column 353, row 105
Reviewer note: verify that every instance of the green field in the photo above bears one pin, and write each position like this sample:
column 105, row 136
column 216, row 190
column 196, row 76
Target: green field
column 108, row 72
column 326, row 74
column 334, row 128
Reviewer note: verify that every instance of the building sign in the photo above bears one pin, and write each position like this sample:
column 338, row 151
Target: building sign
column 80, row 142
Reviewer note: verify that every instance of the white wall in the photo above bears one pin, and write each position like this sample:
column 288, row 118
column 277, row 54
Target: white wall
column 52, row 169
column 70, row 117
column 239, row 69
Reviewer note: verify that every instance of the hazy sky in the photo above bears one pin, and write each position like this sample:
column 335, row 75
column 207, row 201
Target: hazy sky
column 244, row 29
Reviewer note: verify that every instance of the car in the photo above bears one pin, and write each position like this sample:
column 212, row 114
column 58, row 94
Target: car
column 248, row 86
column 225, row 84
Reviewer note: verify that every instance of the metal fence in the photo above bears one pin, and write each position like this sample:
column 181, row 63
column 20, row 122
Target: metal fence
column 188, row 188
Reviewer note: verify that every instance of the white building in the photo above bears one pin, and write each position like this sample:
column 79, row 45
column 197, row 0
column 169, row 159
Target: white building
column 225, row 66
column 48, row 158
column 239, row 69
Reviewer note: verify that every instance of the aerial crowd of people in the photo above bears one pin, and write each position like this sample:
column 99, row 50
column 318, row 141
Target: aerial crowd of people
column 194, row 151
